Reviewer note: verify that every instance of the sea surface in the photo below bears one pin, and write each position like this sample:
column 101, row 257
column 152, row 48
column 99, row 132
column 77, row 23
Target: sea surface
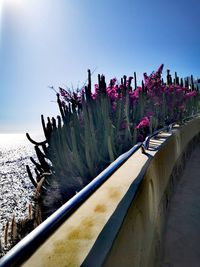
column 16, row 189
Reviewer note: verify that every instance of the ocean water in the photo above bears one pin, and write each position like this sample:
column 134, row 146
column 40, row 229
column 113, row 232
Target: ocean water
column 16, row 189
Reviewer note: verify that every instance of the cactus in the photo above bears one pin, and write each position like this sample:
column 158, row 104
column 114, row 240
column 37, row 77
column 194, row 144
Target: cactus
column 91, row 132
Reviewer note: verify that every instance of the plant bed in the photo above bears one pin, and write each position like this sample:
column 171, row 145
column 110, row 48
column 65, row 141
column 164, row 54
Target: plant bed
column 95, row 128
column 121, row 216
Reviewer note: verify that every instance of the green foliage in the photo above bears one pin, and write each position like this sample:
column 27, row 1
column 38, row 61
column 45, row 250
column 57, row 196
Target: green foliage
column 95, row 128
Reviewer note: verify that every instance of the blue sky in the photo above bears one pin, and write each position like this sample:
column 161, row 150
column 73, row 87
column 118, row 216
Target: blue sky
column 54, row 42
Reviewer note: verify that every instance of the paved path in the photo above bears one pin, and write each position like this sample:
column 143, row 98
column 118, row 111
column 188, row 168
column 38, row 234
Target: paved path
column 182, row 236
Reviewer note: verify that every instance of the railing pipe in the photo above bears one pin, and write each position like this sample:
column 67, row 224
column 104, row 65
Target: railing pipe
column 167, row 128
column 20, row 252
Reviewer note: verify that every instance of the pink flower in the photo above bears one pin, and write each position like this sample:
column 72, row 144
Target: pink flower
column 146, row 78
column 179, row 90
column 114, row 106
column 150, row 113
column 143, row 123
column 129, row 80
column 63, row 92
column 154, row 79
column 182, row 107
column 94, row 96
column 123, row 125
column 190, row 94
column 114, row 81
column 96, row 88
column 75, row 98
column 160, row 69
column 112, row 94
column 134, row 96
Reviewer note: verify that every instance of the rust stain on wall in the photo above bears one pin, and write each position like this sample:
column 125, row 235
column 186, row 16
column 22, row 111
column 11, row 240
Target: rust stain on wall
column 101, row 208
column 87, row 222
column 64, row 254
column 80, row 233
column 114, row 193
column 65, row 251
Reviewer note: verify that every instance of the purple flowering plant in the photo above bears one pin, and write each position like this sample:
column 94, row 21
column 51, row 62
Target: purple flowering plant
column 96, row 126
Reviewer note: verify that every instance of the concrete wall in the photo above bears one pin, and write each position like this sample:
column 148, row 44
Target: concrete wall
column 121, row 224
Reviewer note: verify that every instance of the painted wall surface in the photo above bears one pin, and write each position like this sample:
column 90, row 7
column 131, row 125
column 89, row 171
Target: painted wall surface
column 118, row 226
column 139, row 241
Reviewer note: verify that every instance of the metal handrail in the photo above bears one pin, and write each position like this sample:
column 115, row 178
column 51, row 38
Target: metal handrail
column 21, row 251
column 191, row 117
column 167, row 128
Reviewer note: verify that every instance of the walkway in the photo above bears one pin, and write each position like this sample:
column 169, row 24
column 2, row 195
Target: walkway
column 182, row 236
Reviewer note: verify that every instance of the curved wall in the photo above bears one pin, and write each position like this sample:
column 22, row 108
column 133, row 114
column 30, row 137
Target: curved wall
column 149, row 207
column 121, row 224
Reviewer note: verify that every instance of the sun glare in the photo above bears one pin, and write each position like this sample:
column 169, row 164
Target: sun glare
column 1, row 6
column 10, row 3
column 1, row 11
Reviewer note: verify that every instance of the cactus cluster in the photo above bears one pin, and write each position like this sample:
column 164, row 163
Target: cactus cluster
column 95, row 127
column 15, row 230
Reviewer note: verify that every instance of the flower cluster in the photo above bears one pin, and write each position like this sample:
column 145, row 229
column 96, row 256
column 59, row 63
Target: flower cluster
column 168, row 101
column 99, row 125
column 74, row 98
column 143, row 123
column 134, row 95
column 153, row 81
column 165, row 102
